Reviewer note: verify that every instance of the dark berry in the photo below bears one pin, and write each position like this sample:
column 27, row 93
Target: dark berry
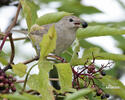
column 6, row 80
column 10, row 76
column 99, row 92
column 107, row 95
column 14, row 80
column 13, row 89
column 84, row 24
column 103, row 97
column 103, row 73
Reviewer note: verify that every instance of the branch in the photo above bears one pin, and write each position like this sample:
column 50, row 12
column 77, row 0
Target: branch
column 7, row 32
column 12, row 49
column 31, row 60
column 16, row 39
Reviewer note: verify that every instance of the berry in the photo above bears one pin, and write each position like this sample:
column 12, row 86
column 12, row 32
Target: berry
column 11, row 85
column 103, row 97
column 13, row 89
column 107, row 95
column 99, row 92
column 1, row 77
column 1, row 84
column 103, row 73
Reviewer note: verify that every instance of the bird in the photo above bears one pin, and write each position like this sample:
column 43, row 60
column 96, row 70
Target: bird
column 66, row 33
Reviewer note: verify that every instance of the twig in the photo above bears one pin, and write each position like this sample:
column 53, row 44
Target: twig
column 31, row 60
column 16, row 39
column 7, row 32
column 12, row 49
column 51, row 79
column 25, row 81
column 7, row 67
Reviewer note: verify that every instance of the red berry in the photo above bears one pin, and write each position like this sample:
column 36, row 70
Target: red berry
column 1, row 77
column 11, row 85
column 1, row 84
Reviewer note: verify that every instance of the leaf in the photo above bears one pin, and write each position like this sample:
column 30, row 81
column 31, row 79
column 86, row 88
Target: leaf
column 92, row 31
column 51, row 18
column 41, row 82
column 99, row 55
column 3, row 58
column 48, row 43
column 113, row 86
column 85, row 44
column 120, row 41
column 79, row 94
column 25, row 96
column 30, row 12
column 19, row 69
column 77, row 8
column 67, row 54
column 65, row 76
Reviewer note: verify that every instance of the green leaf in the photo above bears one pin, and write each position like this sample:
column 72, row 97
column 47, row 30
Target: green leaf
column 30, row 11
column 99, row 55
column 19, row 69
column 51, row 18
column 48, row 43
column 79, row 94
column 92, row 31
column 41, row 82
column 85, row 44
column 77, row 8
column 121, row 40
column 3, row 58
column 65, row 76
column 113, row 86
column 25, row 96
column 67, row 54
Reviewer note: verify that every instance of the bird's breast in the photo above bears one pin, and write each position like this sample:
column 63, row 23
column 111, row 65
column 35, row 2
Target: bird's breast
column 64, row 40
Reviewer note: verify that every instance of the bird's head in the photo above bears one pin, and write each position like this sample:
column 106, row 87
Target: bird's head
column 73, row 22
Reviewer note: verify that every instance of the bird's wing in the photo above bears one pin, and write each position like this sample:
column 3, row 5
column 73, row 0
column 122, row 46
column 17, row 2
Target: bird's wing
column 36, row 36
column 41, row 30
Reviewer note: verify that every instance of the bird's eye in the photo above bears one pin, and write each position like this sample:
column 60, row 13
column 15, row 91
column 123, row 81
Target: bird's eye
column 71, row 20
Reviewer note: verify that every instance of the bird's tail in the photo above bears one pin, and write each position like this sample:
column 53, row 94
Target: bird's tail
column 21, row 31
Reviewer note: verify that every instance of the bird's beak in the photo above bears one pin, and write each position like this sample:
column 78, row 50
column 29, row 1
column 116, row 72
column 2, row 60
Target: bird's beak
column 81, row 24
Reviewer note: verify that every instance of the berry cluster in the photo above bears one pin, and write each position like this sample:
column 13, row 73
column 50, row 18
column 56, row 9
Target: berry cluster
column 6, row 83
column 88, row 74
column 99, row 92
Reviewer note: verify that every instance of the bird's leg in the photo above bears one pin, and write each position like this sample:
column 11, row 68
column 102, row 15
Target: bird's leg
column 58, row 58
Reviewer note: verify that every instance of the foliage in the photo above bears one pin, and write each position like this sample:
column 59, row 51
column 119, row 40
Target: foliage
column 78, row 77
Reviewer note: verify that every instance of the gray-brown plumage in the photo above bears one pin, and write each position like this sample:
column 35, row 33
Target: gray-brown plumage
column 66, row 32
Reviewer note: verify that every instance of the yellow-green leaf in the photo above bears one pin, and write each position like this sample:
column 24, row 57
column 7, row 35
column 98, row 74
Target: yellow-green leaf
column 48, row 43
column 77, row 95
column 99, row 30
column 113, row 86
column 19, row 69
column 30, row 11
column 65, row 76
column 51, row 18
column 41, row 81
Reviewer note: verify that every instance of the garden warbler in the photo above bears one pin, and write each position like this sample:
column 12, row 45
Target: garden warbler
column 66, row 33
